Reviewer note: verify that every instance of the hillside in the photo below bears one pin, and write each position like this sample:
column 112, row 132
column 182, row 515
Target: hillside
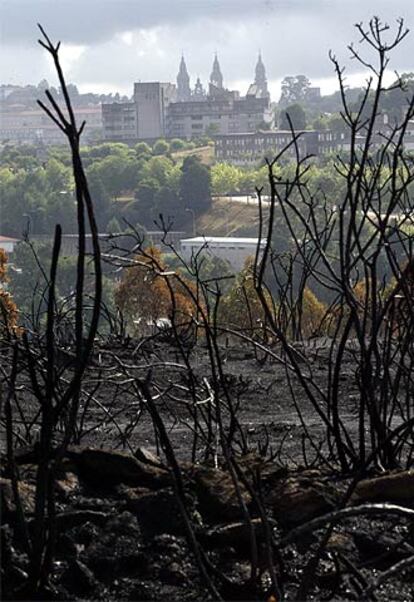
column 204, row 153
column 229, row 218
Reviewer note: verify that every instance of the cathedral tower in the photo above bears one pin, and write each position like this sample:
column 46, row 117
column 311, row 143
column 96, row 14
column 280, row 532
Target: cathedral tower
column 183, row 82
column 216, row 77
column 260, row 77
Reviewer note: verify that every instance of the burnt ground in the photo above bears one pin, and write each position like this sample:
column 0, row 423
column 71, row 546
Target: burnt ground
column 260, row 391
column 124, row 540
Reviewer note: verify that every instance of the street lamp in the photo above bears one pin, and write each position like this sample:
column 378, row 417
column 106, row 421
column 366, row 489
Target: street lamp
column 26, row 232
column 194, row 221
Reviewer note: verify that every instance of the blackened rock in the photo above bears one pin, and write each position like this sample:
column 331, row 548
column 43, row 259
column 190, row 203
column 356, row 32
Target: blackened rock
column 87, row 533
column 235, row 535
column 107, row 468
column 147, row 457
column 79, row 579
column 124, row 524
column 68, row 520
column 115, row 556
column 173, row 574
column 27, row 497
column 170, row 545
column 144, row 591
column 67, row 484
column 217, row 494
column 66, row 547
column 302, row 497
column 382, row 549
column 157, row 512
column 397, row 487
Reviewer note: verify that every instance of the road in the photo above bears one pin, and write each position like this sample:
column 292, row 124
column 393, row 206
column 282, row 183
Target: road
column 247, row 199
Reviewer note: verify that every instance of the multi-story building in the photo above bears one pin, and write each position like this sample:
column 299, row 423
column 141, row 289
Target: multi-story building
column 250, row 148
column 33, row 126
column 120, row 121
column 166, row 110
column 221, row 111
column 151, row 101
column 142, row 119
column 217, row 115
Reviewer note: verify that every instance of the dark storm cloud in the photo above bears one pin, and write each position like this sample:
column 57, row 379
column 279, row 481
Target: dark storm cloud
column 89, row 21
column 294, row 36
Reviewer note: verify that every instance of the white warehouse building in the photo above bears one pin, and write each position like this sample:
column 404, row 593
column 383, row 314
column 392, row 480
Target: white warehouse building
column 233, row 250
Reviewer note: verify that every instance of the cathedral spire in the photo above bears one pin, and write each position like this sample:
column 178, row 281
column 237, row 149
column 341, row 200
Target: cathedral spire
column 183, row 82
column 260, row 79
column 216, row 77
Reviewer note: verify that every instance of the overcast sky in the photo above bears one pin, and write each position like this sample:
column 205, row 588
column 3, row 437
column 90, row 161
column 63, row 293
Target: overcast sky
column 109, row 44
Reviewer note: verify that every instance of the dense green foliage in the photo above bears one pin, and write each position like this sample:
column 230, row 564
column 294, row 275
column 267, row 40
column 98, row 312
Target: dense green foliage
column 195, row 184
column 37, row 188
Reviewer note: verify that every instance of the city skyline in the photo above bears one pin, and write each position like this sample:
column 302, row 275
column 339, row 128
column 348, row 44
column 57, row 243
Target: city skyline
column 154, row 35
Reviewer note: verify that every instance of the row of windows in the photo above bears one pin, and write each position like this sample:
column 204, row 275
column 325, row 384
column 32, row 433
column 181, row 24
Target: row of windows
column 119, row 127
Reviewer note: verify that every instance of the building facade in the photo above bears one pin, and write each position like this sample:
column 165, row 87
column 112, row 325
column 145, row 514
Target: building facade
column 120, row 121
column 165, row 110
column 221, row 111
column 151, row 102
column 231, row 249
column 217, row 115
column 33, row 126
column 250, row 148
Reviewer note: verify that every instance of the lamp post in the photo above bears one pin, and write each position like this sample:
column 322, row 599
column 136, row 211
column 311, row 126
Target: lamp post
column 194, row 221
column 26, row 231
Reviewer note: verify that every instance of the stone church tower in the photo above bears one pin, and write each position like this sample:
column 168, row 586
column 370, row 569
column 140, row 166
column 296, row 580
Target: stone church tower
column 183, row 83
column 260, row 79
column 216, row 77
column 199, row 93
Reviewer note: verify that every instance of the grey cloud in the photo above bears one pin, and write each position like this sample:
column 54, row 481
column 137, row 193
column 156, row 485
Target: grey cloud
column 293, row 35
column 89, row 21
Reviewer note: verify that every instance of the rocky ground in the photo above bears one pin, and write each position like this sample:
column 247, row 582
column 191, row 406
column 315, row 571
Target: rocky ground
column 120, row 532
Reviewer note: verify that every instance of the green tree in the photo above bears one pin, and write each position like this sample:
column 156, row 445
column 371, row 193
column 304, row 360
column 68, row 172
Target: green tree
column 177, row 144
column 297, row 116
column 58, row 176
column 225, row 178
column 107, row 149
column 161, row 147
column 158, row 169
column 195, row 184
column 142, row 148
column 215, row 268
column 294, row 90
column 166, row 201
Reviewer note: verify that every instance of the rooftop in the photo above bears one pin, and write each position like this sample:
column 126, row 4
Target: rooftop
column 8, row 239
column 223, row 239
column 263, row 133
